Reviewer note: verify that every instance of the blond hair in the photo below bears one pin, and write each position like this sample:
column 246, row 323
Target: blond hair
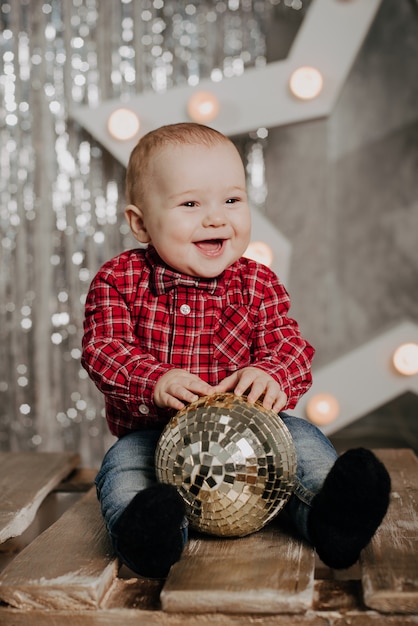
column 149, row 144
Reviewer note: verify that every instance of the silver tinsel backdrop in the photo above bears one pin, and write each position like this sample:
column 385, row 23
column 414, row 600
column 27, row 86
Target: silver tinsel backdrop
column 61, row 194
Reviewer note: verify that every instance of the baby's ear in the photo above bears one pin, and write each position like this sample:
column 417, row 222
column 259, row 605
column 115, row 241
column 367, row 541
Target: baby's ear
column 135, row 218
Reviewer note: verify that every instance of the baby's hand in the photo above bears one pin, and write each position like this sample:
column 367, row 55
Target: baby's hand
column 177, row 387
column 258, row 383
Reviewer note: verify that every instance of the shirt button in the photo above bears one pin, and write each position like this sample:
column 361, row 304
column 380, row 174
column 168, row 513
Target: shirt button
column 185, row 309
column 143, row 409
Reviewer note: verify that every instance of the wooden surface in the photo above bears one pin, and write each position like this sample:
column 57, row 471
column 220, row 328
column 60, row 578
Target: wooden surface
column 26, row 478
column 390, row 562
column 70, row 565
column 131, row 615
column 68, row 576
column 267, row 572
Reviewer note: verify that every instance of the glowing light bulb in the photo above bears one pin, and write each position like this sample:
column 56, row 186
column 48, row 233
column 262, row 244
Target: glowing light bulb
column 306, row 83
column 123, row 124
column 203, row 107
column 322, row 409
column 259, row 251
column 405, row 359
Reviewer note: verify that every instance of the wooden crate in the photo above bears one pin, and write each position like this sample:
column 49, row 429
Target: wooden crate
column 68, row 575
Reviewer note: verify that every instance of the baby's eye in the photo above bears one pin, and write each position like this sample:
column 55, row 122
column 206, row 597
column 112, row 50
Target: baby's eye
column 190, row 203
column 232, row 200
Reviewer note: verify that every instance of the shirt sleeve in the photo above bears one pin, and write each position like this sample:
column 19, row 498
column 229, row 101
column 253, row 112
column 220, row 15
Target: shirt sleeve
column 111, row 353
column 278, row 347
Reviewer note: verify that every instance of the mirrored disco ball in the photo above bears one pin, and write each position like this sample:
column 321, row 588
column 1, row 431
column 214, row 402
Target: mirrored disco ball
column 233, row 462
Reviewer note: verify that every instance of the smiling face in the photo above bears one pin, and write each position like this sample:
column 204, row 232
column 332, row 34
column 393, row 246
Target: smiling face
column 194, row 208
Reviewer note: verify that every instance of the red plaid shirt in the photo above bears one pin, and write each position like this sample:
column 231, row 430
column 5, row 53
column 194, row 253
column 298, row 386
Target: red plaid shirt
column 143, row 319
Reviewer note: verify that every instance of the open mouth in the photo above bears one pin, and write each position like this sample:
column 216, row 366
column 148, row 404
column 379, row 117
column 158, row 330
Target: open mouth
column 210, row 246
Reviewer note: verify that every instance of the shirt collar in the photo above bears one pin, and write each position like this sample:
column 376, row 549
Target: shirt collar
column 163, row 278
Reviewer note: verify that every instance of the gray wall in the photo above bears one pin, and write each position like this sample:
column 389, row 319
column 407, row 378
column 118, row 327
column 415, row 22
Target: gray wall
column 344, row 190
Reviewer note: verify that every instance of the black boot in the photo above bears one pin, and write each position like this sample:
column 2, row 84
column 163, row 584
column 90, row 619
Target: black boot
column 349, row 508
column 148, row 535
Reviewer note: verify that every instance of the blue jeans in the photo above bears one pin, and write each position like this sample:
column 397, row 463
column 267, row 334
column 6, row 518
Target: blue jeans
column 129, row 467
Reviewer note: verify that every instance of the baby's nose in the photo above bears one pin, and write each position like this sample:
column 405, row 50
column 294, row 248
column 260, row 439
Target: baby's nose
column 215, row 216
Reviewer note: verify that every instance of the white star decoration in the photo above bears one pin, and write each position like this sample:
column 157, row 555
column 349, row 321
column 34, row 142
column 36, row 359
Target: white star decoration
column 329, row 39
column 365, row 378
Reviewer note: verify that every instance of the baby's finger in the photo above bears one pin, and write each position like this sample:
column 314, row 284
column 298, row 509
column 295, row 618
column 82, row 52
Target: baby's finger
column 226, row 384
column 272, row 394
column 246, row 380
column 251, row 383
column 280, row 402
column 171, row 402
